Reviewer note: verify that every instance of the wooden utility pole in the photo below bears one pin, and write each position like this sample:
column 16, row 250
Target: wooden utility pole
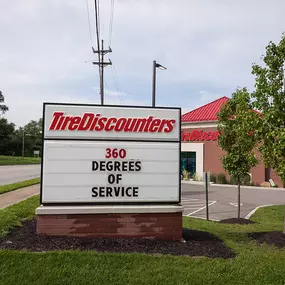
column 102, row 64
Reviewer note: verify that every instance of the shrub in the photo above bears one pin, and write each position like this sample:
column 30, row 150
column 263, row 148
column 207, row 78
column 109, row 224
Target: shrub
column 221, row 178
column 213, row 178
column 195, row 177
column 233, row 181
column 186, row 175
column 244, row 181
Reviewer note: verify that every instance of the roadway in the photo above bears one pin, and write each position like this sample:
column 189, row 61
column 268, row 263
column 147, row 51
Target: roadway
column 16, row 173
column 223, row 200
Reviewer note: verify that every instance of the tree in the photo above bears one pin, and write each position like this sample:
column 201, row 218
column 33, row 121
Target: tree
column 33, row 139
column 6, row 135
column 237, row 138
column 269, row 98
column 3, row 107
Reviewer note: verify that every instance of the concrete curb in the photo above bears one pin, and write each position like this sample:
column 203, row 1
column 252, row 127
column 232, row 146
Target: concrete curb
column 227, row 185
column 254, row 210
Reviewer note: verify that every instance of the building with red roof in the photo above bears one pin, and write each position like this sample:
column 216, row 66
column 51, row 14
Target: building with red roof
column 200, row 151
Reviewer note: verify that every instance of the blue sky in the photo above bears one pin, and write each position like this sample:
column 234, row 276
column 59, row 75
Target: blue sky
column 208, row 47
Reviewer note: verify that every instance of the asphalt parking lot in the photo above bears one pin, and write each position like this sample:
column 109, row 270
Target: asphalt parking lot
column 223, row 200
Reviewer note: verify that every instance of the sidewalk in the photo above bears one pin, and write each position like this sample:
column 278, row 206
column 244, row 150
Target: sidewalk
column 16, row 196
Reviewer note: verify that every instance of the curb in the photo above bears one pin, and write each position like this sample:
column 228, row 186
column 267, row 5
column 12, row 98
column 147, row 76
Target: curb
column 255, row 209
column 231, row 186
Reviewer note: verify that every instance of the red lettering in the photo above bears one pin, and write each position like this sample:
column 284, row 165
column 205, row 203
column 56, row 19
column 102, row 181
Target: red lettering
column 56, row 116
column 149, row 121
column 67, row 120
column 101, row 124
column 154, row 125
column 86, row 122
column 73, row 125
column 169, row 126
column 92, row 127
column 92, row 122
column 120, row 124
column 210, row 136
column 196, row 135
column 130, row 125
column 108, row 126
column 140, row 124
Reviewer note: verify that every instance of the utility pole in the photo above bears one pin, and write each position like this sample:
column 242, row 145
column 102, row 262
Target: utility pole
column 102, row 64
column 153, row 83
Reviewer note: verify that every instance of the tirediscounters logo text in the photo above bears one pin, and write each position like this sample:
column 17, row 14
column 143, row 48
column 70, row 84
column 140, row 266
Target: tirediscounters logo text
column 110, row 154
column 96, row 122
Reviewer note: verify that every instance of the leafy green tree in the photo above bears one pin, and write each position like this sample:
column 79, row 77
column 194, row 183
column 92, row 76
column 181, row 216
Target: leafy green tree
column 269, row 98
column 3, row 107
column 6, row 136
column 33, row 138
column 236, row 136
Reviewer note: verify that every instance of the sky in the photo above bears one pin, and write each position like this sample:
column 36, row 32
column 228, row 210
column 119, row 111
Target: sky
column 207, row 46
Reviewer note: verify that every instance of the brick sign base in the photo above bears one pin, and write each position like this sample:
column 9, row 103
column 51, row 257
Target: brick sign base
column 158, row 225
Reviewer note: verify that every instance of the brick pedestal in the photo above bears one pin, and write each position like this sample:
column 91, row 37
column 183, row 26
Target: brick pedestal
column 160, row 222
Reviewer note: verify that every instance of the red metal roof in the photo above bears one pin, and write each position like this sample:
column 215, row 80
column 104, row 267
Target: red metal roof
column 207, row 112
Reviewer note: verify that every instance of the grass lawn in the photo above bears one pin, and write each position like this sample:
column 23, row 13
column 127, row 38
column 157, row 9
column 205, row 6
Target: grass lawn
column 253, row 265
column 18, row 185
column 14, row 160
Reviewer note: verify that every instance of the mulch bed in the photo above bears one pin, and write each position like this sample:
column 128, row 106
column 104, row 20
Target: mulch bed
column 272, row 238
column 197, row 243
column 239, row 221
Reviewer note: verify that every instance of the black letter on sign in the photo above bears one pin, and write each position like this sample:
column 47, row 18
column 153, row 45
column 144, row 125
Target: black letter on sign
column 94, row 165
column 111, row 179
column 94, row 191
column 119, row 177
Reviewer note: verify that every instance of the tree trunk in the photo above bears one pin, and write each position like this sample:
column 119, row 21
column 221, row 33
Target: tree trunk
column 238, row 197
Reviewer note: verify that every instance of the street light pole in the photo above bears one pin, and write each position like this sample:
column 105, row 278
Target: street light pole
column 23, row 145
column 155, row 65
column 153, row 83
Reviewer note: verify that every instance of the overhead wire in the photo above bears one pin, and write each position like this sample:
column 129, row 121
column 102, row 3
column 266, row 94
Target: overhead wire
column 114, row 74
column 117, row 83
column 89, row 24
column 96, row 11
column 111, row 21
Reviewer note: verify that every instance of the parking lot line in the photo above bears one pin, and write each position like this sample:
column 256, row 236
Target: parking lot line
column 210, row 204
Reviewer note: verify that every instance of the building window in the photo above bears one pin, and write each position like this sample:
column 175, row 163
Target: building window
column 188, row 162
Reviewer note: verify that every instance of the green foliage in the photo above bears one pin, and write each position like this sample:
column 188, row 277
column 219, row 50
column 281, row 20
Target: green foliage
column 213, row 178
column 195, row 177
column 186, row 174
column 221, row 178
column 14, row 160
column 243, row 181
column 253, row 265
column 11, row 140
column 3, row 107
column 269, row 98
column 237, row 137
column 18, row 185
column 13, row 216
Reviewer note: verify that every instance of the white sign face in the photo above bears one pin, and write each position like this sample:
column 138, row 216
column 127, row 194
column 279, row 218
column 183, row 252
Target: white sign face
column 92, row 166
column 135, row 172
column 101, row 122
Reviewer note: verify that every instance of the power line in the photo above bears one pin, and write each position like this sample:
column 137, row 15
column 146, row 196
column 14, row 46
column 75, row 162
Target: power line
column 117, row 84
column 98, row 43
column 111, row 21
column 89, row 24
